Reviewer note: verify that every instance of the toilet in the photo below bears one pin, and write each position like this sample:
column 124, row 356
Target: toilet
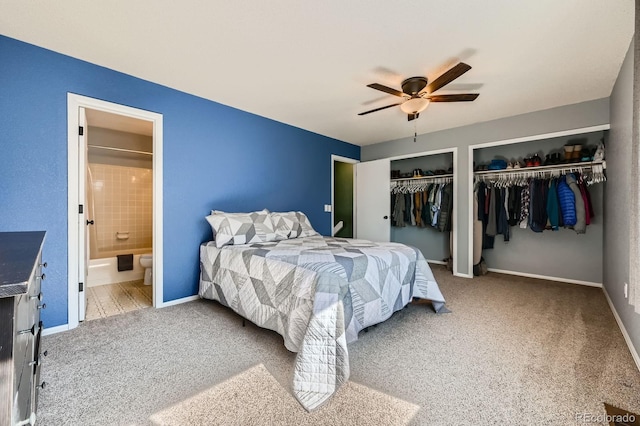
column 146, row 261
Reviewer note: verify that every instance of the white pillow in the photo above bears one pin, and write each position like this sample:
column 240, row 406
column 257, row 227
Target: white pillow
column 306, row 230
column 241, row 228
column 286, row 225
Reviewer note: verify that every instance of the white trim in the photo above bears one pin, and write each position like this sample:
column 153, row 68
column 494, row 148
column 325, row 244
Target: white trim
column 545, row 277
column 470, row 216
column 74, row 102
column 625, row 334
column 580, row 130
column 454, row 213
column 550, row 135
column 422, row 154
column 458, row 274
column 54, row 330
column 335, row 158
column 178, row 301
column 437, row 262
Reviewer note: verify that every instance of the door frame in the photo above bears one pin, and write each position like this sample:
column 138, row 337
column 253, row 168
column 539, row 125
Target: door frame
column 74, row 103
column 335, row 158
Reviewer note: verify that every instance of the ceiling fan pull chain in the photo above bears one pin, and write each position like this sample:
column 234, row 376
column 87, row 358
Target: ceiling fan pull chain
column 415, row 130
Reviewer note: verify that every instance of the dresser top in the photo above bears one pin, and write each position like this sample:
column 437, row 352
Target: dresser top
column 18, row 255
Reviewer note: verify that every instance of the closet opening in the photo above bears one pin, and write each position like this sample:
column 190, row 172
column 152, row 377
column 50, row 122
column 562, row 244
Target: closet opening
column 422, row 199
column 520, row 224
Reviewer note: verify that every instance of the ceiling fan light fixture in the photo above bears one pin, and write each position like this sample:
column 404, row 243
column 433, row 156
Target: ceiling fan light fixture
column 415, row 105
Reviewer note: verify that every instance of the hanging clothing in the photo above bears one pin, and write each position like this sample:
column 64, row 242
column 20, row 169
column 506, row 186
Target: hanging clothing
column 398, row 211
column 446, row 208
column 417, row 208
column 407, row 208
column 538, row 205
column 483, row 216
column 524, row 206
column 514, row 205
column 393, row 209
column 492, row 224
column 426, row 213
column 586, row 198
column 581, row 223
column 567, row 202
column 502, row 223
column 553, row 206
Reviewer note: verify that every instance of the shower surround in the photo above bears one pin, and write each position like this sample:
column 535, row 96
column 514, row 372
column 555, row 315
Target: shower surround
column 121, row 201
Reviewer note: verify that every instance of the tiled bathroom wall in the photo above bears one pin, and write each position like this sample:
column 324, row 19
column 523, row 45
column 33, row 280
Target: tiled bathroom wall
column 122, row 208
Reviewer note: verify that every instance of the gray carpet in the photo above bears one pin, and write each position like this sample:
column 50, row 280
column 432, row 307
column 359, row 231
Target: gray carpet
column 513, row 351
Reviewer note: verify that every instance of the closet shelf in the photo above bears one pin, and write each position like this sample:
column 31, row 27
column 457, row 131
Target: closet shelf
column 432, row 177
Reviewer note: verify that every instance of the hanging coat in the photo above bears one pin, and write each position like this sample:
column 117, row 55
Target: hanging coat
column 581, row 224
column 492, row 225
column 553, row 210
column 567, row 202
column 417, row 208
column 446, row 208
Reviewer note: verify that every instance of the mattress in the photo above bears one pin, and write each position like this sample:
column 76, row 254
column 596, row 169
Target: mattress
column 318, row 293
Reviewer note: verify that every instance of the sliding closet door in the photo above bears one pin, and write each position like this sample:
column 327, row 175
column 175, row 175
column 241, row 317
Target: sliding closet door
column 373, row 200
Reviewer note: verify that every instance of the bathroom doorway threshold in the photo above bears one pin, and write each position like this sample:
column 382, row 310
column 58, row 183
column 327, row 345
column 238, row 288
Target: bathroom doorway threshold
column 76, row 104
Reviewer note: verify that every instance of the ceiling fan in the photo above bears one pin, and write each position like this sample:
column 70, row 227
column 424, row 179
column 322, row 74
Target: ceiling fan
column 417, row 92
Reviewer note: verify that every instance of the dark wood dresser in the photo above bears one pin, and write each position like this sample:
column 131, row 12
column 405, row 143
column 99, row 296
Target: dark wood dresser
column 20, row 326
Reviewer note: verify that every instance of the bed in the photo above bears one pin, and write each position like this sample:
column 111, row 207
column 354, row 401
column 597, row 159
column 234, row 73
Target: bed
column 317, row 292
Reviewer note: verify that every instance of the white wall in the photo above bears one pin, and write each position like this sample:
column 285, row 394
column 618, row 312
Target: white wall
column 617, row 200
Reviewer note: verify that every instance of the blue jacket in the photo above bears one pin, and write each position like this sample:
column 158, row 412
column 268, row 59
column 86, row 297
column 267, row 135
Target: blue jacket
column 567, row 202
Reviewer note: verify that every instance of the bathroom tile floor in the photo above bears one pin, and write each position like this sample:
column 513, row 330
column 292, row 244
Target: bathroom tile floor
column 113, row 299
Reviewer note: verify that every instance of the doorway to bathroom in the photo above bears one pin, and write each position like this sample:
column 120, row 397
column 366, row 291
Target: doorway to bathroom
column 115, row 215
column 118, row 203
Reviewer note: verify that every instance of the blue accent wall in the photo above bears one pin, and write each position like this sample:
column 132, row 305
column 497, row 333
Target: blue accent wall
column 215, row 157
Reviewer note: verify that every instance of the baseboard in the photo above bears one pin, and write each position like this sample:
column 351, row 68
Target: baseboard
column 458, row 274
column 544, row 277
column 437, row 262
column 54, row 330
column 627, row 338
column 179, row 301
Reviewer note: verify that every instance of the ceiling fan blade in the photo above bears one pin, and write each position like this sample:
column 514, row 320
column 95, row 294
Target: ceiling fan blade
column 378, row 109
column 464, row 97
column 448, row 77
column 412, row 116
column 385, row 89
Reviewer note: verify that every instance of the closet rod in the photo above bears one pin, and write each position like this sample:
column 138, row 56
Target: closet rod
column 594, row 171
column 110, row 148
column 553, row 167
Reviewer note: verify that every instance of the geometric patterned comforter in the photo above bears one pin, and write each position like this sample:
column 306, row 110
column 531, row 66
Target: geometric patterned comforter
column 318, row 293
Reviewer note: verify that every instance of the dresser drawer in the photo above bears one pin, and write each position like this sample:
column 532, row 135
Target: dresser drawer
column 24, row 377
column 37, row 364
column 20, row 326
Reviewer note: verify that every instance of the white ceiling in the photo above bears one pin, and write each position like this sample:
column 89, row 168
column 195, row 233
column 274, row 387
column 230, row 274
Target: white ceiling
column 307, row 63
